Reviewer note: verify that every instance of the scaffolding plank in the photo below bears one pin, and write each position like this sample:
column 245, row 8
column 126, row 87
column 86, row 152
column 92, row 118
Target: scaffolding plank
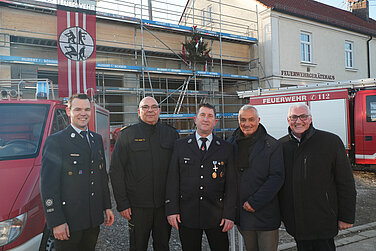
column 54, row 62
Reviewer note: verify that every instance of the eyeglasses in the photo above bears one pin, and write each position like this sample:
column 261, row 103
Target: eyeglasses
column 302, row 117
column 146, row 107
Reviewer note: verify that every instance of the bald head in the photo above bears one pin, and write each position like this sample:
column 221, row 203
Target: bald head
column 148, row 110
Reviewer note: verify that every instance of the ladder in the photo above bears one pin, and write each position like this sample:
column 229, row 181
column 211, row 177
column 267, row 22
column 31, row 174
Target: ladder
column 351, row 84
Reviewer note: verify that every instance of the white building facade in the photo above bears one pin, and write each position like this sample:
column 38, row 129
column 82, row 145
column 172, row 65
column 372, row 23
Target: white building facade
column 305, row 41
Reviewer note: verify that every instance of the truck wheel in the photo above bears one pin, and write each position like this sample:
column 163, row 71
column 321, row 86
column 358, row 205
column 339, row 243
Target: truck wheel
column 47, row 243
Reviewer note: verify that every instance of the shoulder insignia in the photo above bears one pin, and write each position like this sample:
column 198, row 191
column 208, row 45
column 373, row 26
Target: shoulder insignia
column 189, row 141
column 218, row 143
column 123, row 128
column 49, row 202
column 73, row 135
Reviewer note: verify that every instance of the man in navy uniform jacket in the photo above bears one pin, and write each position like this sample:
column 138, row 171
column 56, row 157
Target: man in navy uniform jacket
column 201, row 186
column 74, row 181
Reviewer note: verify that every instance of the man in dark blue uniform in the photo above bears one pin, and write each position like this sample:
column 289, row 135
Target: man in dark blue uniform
column 74, row 181
column 201, row 186
column 138, row 173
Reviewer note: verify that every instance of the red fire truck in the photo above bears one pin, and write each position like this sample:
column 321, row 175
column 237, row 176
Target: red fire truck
column 347, row 109
column 27, row 118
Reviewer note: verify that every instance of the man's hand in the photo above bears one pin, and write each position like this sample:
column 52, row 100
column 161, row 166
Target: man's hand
column 61, row 232
column 126, row 214
column 248, row 207
column 109, row 218
column 173, row 220
column 227, row 225
column 343, row 225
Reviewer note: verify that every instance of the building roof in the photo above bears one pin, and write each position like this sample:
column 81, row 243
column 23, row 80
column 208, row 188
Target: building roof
column 322, row 13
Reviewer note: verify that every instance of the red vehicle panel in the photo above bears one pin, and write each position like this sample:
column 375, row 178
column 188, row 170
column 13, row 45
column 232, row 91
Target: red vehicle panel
column 365, row 127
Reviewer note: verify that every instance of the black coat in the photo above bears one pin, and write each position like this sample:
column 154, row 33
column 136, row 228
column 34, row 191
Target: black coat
column 260, row 182
column 74, row 181
column 201, row 197
column 319, row 186
column 139, row 165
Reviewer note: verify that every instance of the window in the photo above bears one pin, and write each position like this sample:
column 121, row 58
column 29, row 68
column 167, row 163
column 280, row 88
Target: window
column 305, row 47
column 371, row 108
column 60, row 122
column 349, row 49
column 21, row 130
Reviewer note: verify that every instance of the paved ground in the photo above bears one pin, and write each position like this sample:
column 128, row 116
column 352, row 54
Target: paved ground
column 359, row 238
column 362, row 237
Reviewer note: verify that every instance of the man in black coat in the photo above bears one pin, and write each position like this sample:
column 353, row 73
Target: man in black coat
column 139, row 166
column 201, row 186
column 260, row 175
column 318, row 196
column 74, row 181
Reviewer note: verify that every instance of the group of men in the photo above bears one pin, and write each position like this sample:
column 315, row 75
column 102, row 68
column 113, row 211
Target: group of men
column 199, row 183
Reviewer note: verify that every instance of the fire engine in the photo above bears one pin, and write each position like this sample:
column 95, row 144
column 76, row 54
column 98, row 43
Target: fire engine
column 28, row 117
column 346, row 108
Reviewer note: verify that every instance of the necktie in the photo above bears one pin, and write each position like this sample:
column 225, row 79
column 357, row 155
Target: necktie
column 203, row 147
column 83, row 134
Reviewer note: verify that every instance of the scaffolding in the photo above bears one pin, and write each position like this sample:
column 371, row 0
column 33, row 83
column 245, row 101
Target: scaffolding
column 129, row 70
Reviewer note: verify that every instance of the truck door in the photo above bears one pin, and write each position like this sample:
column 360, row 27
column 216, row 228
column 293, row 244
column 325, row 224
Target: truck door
column 365, row 127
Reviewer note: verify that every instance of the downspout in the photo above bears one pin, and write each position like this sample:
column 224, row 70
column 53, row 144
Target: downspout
column 368, row 57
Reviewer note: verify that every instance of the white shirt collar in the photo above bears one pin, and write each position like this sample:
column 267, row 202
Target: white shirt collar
column 199, row 142
column 297, row 138
column 78, row 130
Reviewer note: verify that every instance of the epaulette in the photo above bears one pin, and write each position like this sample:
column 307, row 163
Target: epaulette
column 125, row 127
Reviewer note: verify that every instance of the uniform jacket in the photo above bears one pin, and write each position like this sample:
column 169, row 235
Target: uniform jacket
column 74, row 181
column 139, row 165
column 201, row 191
column 319, row 187
column 260, row 182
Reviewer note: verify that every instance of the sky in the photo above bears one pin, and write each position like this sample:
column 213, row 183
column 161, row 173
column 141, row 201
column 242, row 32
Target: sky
column 341, row 4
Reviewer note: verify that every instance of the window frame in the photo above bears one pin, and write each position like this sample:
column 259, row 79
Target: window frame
column 306, row 48
column 349, row 61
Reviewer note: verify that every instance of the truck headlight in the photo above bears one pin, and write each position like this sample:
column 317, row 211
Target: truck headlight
column 11, row 229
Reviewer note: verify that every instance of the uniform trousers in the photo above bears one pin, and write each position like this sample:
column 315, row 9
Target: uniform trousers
column 191, row 238
column 260, row 240
column 146, row 220
column 316, row 245
column 79, row 240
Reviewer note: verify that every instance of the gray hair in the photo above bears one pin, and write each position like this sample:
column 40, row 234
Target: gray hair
column 297, row 106
column 248, row 107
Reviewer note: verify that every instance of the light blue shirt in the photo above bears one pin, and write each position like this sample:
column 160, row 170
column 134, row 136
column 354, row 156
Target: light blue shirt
column 79, row 131
column 199, row 142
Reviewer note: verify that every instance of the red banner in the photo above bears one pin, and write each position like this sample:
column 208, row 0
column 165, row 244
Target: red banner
column 76, row 35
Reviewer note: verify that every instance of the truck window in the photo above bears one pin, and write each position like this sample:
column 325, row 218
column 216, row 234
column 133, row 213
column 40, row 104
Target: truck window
column 60, row 122
column 21, row 130
column 371, row 108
